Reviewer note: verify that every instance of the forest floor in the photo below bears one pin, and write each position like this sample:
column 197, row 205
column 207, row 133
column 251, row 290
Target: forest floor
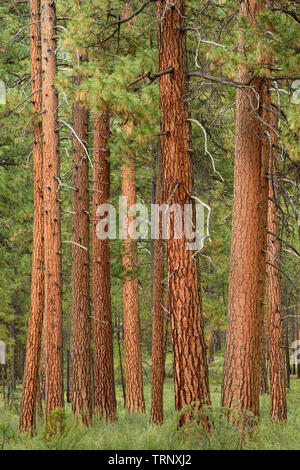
column 133, row 432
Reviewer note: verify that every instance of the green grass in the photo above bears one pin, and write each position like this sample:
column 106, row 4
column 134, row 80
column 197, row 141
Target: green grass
column 133, row 432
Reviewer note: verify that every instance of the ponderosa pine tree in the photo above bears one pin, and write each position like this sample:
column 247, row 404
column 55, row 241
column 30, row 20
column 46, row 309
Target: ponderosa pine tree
column 34, row 337
column 158, row 313
column 241, row 377
column 131, row 321
column 275, row 328
column 52, row 214
column 189, row 351
column 80, row 385
column 105, row 398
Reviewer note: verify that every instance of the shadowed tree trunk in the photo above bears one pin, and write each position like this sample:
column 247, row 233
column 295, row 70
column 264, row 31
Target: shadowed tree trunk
column 189, row 354
column 158, row 314
column 52, row 215
column 264, row 386
column 105, row 399
column 273, row 292
column 34, row 338
column 80, row 354
column 247, row 265
column 211, row 347
column 287, row 354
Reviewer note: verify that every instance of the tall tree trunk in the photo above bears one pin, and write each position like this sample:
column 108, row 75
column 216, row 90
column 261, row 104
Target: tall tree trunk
column 247, row 266
column 132, row 342
column 34, row 338
column 52, row 215
column 105, row 399
column 80, row 332
column 132, row 346
column 273, row 292
column 189, row 354
column 158, row 314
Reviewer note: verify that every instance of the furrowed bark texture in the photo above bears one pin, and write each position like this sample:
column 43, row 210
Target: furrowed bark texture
column 34, row 338
column 275, row 325
column 243, row 342
column 189, row 352
column 80, row 333
column 158, row 315
column 105, row 399
column 132, row 347
column 52, row 216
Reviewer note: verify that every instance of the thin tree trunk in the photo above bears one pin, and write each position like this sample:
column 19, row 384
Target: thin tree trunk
column 105, row 399
column 132, row 342
column 132, row 346
column 158, row 314
column 34, row 338
column 189, row 354
column 52, row 215
column 298, row 365
column 211, row 347
column 247, row 266
column 287, row 354
column 264, row 386
column 273, row 292
column 80, row 334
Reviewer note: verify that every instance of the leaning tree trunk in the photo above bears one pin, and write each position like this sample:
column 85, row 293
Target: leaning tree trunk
column 105, row 398
column 273, row 292
column 34, row 338
column 247, row 265
column 80, row 355
column 189, row 352
column 158, row 314
column 52, row 215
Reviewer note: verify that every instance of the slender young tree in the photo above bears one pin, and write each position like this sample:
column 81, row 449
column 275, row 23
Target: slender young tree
column 52, row 214
column 211, row 347
column 264, row 385
column 105, row 399
column 132, row 346
column 247, row 264
column 33, row 348
column 273, row 280
column 158, row 313
column 132, row 342
column 189, row 351
column 80, row 334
